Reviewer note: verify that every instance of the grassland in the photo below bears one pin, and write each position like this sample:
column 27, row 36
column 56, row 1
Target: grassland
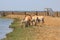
column 20, row 33
column 49, row 31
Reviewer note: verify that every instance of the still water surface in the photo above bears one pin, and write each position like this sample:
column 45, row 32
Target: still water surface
column 4, row 27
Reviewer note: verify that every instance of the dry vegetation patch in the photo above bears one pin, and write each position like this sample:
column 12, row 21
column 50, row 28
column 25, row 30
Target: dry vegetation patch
column 49, row 31
column 52, row 21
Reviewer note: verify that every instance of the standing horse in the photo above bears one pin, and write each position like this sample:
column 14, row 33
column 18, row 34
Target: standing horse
column 40, row 19
column 36, row 19
column 27, row 20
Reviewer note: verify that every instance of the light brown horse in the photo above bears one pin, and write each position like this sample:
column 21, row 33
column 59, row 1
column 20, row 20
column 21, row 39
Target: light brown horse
column 33, row 20
column 27, row 20
column 37, row 19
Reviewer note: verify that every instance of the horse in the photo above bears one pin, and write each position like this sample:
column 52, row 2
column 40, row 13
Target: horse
column 34, row 20
column 27, row 20
column 37, row 19
column 40, row 19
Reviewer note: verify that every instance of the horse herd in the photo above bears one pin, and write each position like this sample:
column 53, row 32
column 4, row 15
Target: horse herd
column 32, row 20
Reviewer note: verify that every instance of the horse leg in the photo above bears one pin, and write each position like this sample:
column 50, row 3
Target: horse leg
column 30, row 23
column 43, row 20
column 26, row 24
column 35, row 23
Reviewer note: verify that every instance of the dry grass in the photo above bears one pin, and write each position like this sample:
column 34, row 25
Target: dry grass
column 49, row 31
column 16, row 16
column 52, row 21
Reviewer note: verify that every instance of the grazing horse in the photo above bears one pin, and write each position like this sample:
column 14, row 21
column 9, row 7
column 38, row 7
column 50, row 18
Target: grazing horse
column 36, row 19
column 27, row 20
column 40, row 19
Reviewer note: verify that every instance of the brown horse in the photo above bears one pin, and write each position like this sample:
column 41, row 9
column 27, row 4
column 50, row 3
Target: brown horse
column 37, row 19
column 27, row 20
column 33, row 20
column 40, row 19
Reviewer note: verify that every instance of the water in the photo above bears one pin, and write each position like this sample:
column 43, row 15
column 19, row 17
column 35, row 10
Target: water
column 4, row 27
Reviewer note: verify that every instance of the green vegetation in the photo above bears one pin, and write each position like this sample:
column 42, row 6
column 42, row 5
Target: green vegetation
column 20, row 32
column 3, row 17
